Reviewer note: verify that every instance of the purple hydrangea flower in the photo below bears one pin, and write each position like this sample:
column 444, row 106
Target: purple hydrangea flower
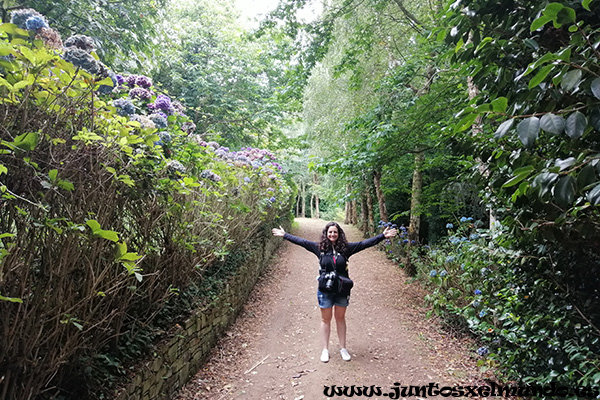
column 140, row 93
column 143, row 81
column 131, row 80
column 162, row 102
column 120, row 79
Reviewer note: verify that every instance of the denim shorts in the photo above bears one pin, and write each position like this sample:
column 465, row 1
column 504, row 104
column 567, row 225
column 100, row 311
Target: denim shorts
column 328, row 300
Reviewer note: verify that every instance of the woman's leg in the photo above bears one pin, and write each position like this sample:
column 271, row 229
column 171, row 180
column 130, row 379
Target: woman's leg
column 340, row 324
column 326, row 314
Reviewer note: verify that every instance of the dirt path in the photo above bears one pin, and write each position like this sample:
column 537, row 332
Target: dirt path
column 273, row 349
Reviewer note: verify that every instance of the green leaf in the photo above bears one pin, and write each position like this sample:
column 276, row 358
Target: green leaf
column 596, row 88
column 586, row 176
column 109, row 235
column 130, row 257
column 27, row 141
column 540, row 76
column 576, row 124
column 586, row 4
column 66, row 185
column 553, row 9
column 554, row 124
column 93, row 224
column 595, row 119
column 519, row 175
column 528, row 131
column 500, row 104
column 565, row 16
column 3, row 169
column 466, row 122
column 593, row 195
column 571, row 79
column 543, row 182
column 29, row 55
column 539, row 22
column 11, row 299
column 564, row 191
column 53, row 174
column 504, row 128
column 566, row 163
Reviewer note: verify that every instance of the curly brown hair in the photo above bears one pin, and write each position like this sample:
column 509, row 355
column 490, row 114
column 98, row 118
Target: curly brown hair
column 341, row 244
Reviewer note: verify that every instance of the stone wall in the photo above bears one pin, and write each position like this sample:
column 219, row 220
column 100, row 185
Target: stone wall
column 180, row 357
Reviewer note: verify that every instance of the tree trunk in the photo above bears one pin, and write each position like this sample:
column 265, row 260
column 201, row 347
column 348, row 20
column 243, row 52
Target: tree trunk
column 369, row 199
column 380, row 198
column 415, row 201
column 303, row 197
column 312, row 208
column 364, row 213
column 348, row 206
column 354, row 213
column 316, row 182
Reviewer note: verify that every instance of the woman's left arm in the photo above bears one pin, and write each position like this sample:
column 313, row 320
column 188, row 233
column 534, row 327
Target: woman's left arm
column 355, row 247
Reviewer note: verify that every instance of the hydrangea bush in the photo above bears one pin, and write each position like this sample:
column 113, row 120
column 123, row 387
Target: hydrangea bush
column 528, row 331
column 111, row 208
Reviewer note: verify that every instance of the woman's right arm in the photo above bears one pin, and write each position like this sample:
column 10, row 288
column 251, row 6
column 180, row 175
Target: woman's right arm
column 313, row 247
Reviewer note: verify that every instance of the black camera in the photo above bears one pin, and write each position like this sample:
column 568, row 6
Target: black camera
column 330, row 280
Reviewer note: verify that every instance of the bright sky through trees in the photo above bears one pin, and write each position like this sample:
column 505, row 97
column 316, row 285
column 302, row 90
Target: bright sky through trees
column 253, row 11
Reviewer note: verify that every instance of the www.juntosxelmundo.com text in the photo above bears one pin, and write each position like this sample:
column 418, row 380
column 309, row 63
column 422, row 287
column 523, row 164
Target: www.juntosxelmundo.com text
column 398, row 391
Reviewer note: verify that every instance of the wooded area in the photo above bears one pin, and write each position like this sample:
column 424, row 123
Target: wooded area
column 471, row 125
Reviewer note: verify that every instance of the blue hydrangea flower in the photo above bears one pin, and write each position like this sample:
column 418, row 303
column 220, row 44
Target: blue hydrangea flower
column 450, row 259
column 124, row 107
column 247, row 180
column 443, row 273
column 20, row 17
column 433, row 272
column 159, row 120
column 483, row 351
column 449, row 226
column 476, row 304
column 106, row 89
column 477, row 291
column 175, row 166
column 473, row 236
column 482, row 313
column 36, row 22
column 81, row 42
column 82, row 59
column 206, row 174
column 405, row 241
column 272, row 199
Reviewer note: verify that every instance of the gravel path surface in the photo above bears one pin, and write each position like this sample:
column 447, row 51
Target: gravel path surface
column 273, row 349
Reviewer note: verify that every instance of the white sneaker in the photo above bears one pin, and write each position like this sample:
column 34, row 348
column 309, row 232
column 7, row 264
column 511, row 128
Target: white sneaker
column 325, row 355
column 345, row 355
